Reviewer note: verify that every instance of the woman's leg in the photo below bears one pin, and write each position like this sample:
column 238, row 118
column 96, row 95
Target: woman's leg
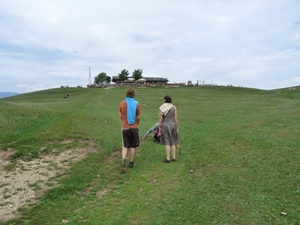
column 168, row 152
column 174, row 151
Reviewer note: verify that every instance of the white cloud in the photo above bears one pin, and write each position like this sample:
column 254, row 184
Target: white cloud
column 245, row 43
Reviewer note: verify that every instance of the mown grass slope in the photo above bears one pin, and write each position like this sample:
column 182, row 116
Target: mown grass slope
column 239, row 161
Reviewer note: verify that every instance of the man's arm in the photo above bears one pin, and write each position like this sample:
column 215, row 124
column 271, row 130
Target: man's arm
column 138, row 114
column 137, row 119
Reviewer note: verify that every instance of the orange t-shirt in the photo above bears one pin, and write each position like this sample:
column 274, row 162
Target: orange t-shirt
column 123, row 111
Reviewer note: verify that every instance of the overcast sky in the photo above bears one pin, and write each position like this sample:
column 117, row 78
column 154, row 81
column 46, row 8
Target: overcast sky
column 48, row 43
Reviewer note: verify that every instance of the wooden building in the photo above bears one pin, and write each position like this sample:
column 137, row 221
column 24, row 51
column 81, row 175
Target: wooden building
column 148, row 80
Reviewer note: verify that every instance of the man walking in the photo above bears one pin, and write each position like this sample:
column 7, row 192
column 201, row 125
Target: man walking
column 129, row 113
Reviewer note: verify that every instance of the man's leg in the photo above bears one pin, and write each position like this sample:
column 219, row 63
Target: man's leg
column 123, row 164
column 124, row 153
column 135, row 141
column 132, row 154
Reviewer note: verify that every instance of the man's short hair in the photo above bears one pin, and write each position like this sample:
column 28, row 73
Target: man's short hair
column 130, row 93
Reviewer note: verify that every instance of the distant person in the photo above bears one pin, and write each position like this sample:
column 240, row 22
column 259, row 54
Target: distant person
column 168, row 122
column 67, row 96
column 156, row 130
column 129, row 113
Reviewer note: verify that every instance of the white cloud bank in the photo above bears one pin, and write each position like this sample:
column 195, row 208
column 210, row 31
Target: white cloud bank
column 251, row 43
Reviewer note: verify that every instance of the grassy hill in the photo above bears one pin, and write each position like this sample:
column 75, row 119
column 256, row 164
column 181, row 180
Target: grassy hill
column 238, row 162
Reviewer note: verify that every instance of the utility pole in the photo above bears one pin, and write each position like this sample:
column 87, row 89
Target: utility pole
column 90, row 76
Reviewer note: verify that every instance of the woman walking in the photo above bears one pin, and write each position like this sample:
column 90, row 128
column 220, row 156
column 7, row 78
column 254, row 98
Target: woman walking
column 168, row 121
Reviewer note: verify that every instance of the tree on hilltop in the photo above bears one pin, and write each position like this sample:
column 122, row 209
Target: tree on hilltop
column 101, row 78
column 137, row 74
column 123, row 75
column 108, row 79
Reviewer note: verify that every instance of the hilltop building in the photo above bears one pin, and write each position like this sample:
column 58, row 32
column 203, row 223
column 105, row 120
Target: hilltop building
column 149, row 80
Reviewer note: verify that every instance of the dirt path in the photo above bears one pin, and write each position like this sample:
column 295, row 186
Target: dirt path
column 27, row 182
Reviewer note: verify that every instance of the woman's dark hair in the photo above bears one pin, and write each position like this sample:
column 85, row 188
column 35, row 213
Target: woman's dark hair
column 168, row 99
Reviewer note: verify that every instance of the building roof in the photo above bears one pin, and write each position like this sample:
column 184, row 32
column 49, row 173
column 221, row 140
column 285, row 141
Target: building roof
column 144, row 79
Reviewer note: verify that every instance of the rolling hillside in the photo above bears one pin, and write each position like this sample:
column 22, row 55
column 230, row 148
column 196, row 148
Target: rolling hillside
column 238, row 162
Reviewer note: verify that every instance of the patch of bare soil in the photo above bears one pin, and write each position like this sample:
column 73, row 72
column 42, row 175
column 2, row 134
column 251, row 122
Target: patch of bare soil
column 27, row 182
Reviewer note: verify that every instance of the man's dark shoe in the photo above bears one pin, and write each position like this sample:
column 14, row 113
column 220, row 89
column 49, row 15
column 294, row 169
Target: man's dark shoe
column 123, row 166
column 132, row 164
column 166, row 161
column 174, row 160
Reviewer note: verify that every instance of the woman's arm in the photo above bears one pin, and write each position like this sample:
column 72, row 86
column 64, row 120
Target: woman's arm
column 160, row 119
column 176, row 117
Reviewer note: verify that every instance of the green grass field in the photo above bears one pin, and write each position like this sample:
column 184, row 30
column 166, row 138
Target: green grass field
column 239, row 161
